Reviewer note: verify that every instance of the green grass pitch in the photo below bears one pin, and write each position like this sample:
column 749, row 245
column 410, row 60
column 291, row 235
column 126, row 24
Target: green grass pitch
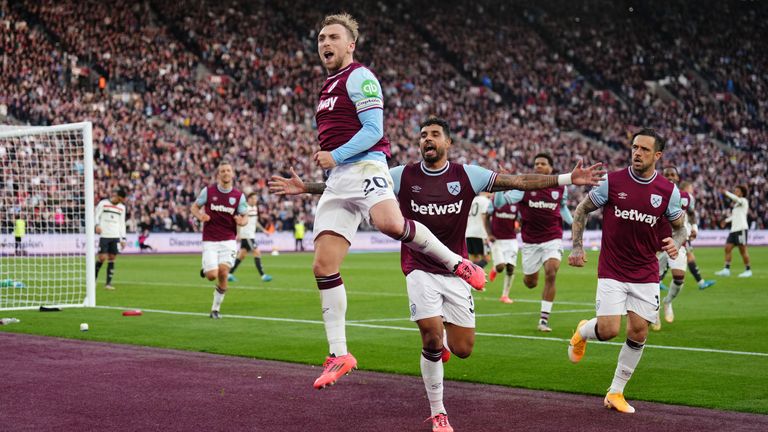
column 714, row 355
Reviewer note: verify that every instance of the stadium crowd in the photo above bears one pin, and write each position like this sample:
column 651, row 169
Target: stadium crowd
column 172, row 87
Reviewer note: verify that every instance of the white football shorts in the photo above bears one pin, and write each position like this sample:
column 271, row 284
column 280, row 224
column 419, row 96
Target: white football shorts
column 432, row 295
column 534, row 254
column 216, row 253
column 679, row 263
column 616, row 298
column 504, row 252
column 351, row 190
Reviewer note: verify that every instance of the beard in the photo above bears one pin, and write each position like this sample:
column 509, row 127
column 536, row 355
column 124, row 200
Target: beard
column 643, row 167
column 439, row 153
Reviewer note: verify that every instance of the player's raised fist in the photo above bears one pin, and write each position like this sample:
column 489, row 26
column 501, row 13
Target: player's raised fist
column 324, row 159
column 577, row 258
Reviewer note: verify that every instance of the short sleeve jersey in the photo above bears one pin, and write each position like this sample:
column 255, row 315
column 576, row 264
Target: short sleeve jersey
column 632, row 209
column 540, row 215
column 249, row 230
column 222, row 208
column 344, row 95
column 477, row 213
column 503, row 220
column 441, row 201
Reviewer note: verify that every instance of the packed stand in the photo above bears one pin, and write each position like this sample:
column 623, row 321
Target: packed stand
column 192, row 82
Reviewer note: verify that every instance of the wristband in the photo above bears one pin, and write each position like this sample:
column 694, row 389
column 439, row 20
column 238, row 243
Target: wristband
column 564, row 179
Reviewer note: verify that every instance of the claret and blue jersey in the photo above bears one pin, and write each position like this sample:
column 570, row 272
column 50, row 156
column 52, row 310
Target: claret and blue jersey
column 350, row 116
column 441, row 200
column 632, row 207
column 221, row 205
column 542, row 212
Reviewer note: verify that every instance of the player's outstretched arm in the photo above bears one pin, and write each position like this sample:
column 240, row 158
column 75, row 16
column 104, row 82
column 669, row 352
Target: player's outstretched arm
column 293, row 185
column 577, row 257
column 589, row 176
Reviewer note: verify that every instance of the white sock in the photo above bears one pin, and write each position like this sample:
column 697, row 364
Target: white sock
column 674, row 290
column 629, row 357
column 508, row 279
column 587, row 331
column 217, row 299
column 432, row 374
column 426, row 242
column 334, row 304
column 546, row 309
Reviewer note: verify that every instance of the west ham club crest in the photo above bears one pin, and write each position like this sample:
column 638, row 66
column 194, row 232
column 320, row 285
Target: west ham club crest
column 454, row 188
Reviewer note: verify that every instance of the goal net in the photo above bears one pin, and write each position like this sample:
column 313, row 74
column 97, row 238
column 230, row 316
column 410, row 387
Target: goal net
column 46, row 217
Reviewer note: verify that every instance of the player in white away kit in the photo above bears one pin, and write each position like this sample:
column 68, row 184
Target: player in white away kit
column 739, row 231
column 694, row 217
column 354, row 150
column 679, row 264
column 221, row 208
column 435, row 192
column 633, row 200
column 476, row 231
column 110, row 226
column 247, row 236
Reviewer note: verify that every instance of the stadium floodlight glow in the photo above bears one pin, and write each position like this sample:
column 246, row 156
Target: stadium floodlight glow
column 46, row 194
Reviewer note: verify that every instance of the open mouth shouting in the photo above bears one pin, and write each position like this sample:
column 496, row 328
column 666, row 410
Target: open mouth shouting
column 429, row 151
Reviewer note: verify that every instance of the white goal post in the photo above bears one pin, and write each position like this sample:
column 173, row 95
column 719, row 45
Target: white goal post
column 47, row 239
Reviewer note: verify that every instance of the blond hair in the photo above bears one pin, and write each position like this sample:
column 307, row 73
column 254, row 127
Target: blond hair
column 346, row 20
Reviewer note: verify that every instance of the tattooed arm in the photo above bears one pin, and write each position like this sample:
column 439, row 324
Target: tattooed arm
column 679, row 234
column 577, row 257
column 523, row 182
column 589, row 176
column 315, row 188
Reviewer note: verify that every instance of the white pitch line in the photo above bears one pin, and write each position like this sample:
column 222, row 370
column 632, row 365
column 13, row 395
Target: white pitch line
column 314, row 290
column 203, row 314
column 378, row 320
column 476, row 315
column 413, row 329
column 536, row 312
